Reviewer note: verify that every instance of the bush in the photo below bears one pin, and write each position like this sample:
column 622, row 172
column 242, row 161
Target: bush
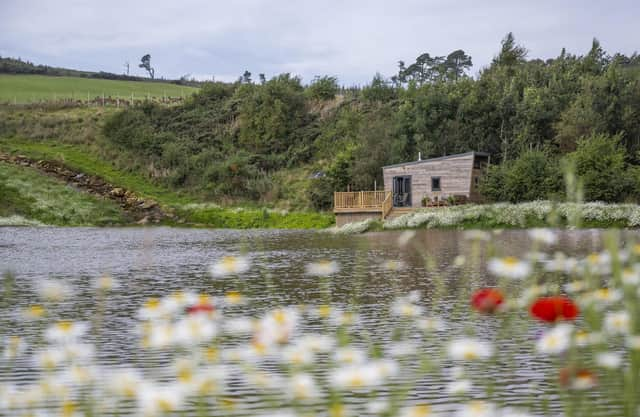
column 323, row 88
column 599, row 162
column 533, row 176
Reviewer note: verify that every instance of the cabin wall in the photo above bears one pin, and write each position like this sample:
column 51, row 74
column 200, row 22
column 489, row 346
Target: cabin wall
column 455, row 178
column 344, row 218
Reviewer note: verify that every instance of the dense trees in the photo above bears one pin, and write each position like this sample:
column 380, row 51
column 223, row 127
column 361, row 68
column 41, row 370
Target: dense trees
column 535, row 117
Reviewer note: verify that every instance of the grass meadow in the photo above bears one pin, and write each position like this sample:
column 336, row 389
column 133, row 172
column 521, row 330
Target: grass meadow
column 23, row 89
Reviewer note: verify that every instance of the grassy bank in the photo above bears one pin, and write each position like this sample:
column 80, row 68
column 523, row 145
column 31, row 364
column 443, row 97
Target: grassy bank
column 34, row 88
column 28, row 195
column 81, row 158
column 505, row 215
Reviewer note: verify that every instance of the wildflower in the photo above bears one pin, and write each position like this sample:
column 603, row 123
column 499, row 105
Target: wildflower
column 405, row 237
column 399, row 349
column 575, row 286
column 316, row 342
column 459, row 261
column 210, row 380
column 53, row 290
column 430, row 324
column 80, row 376
column 233, row 298
column 469, row 349
column 608, row 360
column 487, row 300
column 509, row 267
column 605, row 296
column 238, row 326
column 33, row 312
column 459, row 387
column 264, row 380
column 49, row 359
column 598, row 263
column 277, row 326
column 204, row 305
column 378, row 406
column 552, row 309
column 193, row 330
column 617, row 322
column 297, row 355
column 419, row 410
column 583, row 338
column 546, row 236
column 581, row 379
column 156, row 400
column 343, row 318
column 477, row 409
column 14, row 347
column 322, row 268
column 302, row 387
column 404, row 308
column 105, row 283
column 152, row 309
column 561, row 263
column 631, row 276
column 356, row 377
column 556, row 340
column 350, row 355
column 124, row 382
column 229, row 265
column 157, row 335
column 66, row 331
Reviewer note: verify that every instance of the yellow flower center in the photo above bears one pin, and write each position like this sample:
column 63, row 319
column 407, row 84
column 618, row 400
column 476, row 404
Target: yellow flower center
column 470, row 355
column 229, row 263
column 510, row 261
column 234, row 297
column 152, row 303
column 324, row 311
column 165, row 405
column 65, row 326
column 421, row 410
column 35, row 311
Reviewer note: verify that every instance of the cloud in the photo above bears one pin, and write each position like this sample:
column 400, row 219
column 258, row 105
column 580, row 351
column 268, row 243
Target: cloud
column 349, row 39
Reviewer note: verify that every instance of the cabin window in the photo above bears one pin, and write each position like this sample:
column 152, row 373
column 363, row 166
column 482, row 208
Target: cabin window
column 435, row 183
column 476, row 181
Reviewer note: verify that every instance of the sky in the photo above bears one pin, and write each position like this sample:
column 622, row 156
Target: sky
column 348, row 39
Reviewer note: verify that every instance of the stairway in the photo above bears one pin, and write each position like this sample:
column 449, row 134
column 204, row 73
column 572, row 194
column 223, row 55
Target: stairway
column 399, row 211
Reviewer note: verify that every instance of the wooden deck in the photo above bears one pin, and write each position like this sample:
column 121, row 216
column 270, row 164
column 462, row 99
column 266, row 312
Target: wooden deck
column 367, row 203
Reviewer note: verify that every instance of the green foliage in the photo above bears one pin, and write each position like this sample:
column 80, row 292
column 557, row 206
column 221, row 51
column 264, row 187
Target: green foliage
column 323, row 88
column 599, row 162
column 533, row 176
column 379, row 90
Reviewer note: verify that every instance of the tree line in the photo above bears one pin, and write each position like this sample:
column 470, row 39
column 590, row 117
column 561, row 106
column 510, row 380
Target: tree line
column 536, row 118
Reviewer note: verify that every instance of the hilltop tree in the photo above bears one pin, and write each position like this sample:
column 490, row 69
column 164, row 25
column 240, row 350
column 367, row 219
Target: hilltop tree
column 510, row 53
column 145, row 62
column 456, row 63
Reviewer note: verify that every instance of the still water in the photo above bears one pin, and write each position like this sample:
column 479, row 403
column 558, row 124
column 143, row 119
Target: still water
column 153, row 262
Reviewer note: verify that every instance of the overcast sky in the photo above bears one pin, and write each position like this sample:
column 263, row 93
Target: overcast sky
column 349, row 39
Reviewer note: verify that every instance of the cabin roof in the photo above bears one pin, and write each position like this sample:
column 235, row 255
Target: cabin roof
column 440, row 158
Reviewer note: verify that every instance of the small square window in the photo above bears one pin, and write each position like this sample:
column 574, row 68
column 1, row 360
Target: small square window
column 435, row 183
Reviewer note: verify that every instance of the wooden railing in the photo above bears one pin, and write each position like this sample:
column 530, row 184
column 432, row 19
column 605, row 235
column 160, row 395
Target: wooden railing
column 361, row 200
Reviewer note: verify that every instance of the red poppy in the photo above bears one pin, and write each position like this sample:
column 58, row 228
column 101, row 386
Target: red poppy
column 487, row 300
column 577, row 379
column 552, row 309
column 200, row 308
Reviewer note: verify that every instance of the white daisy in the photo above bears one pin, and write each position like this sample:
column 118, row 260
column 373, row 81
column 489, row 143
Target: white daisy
column 229, row 265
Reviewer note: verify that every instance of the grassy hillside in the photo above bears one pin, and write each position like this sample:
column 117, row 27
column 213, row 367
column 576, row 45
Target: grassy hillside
column 27, row 193
column 35, row 88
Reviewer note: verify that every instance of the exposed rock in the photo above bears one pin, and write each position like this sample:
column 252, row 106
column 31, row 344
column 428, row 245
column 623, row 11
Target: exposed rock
column 117, row 192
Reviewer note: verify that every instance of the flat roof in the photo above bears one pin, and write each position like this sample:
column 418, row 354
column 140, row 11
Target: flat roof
column 422, row 161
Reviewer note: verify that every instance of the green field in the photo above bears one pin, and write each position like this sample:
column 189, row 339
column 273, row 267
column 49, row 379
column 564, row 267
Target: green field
column 35, row 88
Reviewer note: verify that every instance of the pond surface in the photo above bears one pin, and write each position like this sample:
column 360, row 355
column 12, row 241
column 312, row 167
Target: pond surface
column 153, row 262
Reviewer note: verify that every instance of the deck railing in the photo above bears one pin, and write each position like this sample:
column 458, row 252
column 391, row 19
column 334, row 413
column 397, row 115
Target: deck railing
column 387, row 205
column 361, row 199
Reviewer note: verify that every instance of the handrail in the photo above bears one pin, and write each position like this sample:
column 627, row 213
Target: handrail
column 360, row 199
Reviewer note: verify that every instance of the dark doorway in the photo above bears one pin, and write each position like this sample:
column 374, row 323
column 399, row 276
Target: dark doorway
column 402, row 191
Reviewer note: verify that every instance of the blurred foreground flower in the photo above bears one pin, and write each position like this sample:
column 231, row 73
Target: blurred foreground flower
column 509, row 267
column 53, row 290
column 580, row 379
column 552, row 309
column 469, row 349
column 322, row 268
column 229, row 265
column 487, row 300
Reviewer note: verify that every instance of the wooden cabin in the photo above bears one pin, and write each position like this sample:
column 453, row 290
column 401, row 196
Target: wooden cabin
column 411, row 185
